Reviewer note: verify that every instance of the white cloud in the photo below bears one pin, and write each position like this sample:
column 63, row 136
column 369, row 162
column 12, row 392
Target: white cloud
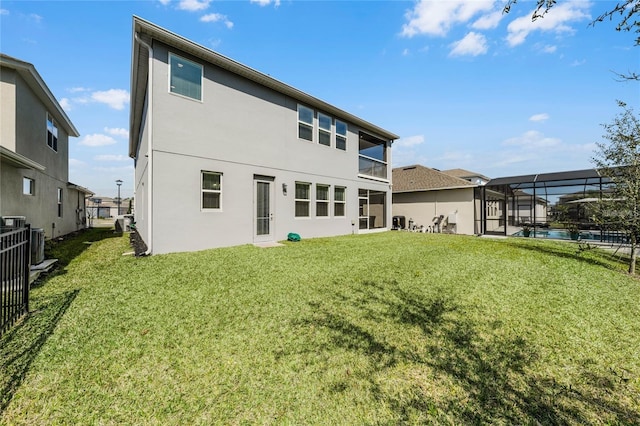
column 409, row 141
column 193, row 5
column 37, row 18
column 539, row 117
column 549, row 48
column 217, row 17
column 111, row 157
column 78, row 89
column 556, row 21
column 117, row 131
column 4, row 12
column 73, row 162
column 65, row 103
column 489, row 21
column 115, row 98
column 435, row 17
column 405, row 52
column 97, row 139
column 164, row 2
column 577, row 63
column 532, row 139
column 263, row 3
column 472, row 44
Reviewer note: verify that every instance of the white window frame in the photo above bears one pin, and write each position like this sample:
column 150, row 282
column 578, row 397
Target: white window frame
column 201, row 78
column 32, row 186
column 52, row 128
column 340, row 135
column 304, row 123
column 324, row 131
column 340, row 202
column 211, row 191
column 302, row 200
column 326, row 201
column 59, row 197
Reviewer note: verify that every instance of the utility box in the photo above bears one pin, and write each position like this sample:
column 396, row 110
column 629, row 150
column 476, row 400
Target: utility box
column 37, row 246
column 452, row 219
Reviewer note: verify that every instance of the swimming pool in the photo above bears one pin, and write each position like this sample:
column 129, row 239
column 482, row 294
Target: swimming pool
column 558, row 234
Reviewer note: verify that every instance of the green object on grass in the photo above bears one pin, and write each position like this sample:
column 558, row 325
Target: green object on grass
column 293, row 237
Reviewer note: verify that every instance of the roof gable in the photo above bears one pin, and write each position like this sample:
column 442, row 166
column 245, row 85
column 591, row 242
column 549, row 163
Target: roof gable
column 28, row 72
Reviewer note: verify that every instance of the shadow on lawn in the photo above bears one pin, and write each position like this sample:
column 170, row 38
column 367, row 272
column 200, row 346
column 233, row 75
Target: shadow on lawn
column 481, row 374
column 603, row 259
column 20, row 346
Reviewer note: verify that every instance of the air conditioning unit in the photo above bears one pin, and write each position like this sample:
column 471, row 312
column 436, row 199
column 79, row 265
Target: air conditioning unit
column 10, row 223
column 37, row 246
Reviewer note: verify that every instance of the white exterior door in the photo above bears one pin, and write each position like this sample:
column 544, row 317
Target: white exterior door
column 263, row 190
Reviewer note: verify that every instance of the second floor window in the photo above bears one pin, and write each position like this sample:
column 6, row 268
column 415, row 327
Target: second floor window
column 305, row 123
column 185, row 78
column 28, row 186
column 341, row 135
column 324, row 129
column 52, row 133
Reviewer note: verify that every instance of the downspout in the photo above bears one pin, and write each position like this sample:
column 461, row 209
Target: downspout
column 149, row 145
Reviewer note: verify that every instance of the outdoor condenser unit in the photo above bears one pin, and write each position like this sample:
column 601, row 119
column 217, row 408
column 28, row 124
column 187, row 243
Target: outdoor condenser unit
column 452, row 219
column 37, row 246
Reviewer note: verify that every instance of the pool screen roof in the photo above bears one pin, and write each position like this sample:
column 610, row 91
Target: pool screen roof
column 549, row 179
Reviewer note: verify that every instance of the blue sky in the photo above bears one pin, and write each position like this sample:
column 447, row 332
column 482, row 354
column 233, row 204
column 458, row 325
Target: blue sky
column 462, row 84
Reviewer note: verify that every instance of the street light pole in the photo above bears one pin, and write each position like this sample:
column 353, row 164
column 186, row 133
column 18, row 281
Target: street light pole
column 118, row 182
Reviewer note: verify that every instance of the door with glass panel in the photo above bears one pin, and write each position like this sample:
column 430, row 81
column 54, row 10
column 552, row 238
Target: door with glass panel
column 263, row 209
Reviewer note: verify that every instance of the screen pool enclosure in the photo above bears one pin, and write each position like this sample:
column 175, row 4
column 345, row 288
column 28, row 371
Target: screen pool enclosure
column 549, row 205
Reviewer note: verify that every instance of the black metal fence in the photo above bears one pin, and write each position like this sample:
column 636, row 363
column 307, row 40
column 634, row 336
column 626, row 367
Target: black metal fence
column 14, row 273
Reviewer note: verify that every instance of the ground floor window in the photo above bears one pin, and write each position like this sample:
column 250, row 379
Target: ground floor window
column 59, row 202
column 339, row 201
column 322, row 200
column 372, row 209
column 211, row 190
column 303, row 199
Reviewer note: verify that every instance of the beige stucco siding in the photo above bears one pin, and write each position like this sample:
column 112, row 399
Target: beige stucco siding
column 423, row 206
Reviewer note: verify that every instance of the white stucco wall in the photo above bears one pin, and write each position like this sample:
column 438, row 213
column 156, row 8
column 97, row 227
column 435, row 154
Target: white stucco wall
column 424, row 206
column 239, row 129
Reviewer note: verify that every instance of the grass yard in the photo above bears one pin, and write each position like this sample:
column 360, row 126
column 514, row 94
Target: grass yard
column 391, row 328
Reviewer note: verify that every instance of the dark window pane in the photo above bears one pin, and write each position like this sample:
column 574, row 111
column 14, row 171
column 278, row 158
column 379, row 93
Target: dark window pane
column 339, row 209
column 302, row 191
column 341, row 143
column 186, row 78
column 325, row 138
column 211, row 181
column 341, row 128
column 302, row 208
column 305, row 132
column 210, row 200
column 305, row 114
column 322, row 209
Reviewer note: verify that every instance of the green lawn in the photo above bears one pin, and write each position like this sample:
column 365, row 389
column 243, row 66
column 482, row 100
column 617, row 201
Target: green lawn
column 390, row 328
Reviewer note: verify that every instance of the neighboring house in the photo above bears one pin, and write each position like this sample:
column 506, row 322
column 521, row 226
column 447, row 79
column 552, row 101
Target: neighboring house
column 225, row 155
column 34, row 151
column 428, row 197
column 107, row 207
column 472, row 177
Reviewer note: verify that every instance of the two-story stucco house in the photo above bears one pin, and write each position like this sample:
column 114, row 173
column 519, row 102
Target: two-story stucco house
column 34, row 153
column 226, row 155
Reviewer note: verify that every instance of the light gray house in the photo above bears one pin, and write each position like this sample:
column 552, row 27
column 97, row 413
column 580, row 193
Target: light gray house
column 34, row 153
column 225, row 155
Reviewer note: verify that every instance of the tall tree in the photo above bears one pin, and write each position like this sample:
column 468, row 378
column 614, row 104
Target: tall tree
column 619, row 160
column 627, row 12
